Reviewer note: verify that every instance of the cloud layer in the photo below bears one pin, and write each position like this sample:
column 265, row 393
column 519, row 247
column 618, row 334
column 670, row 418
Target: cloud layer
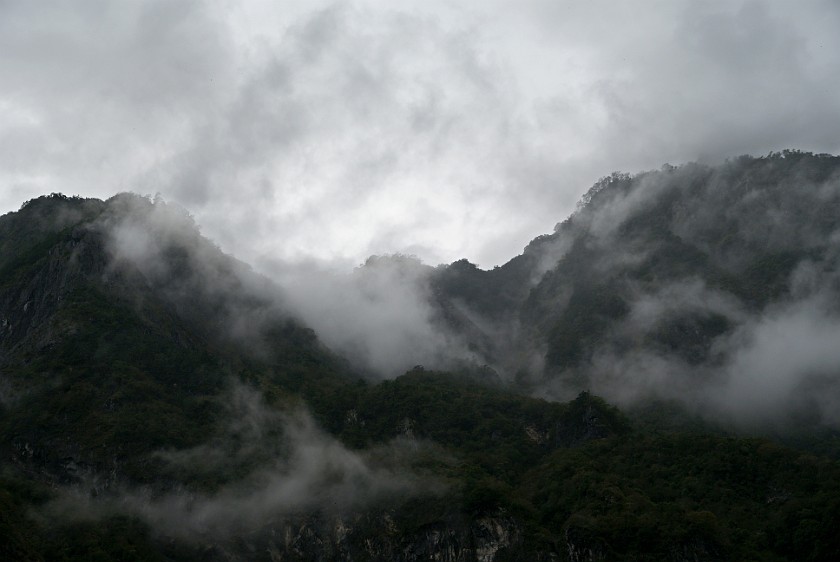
column 283, row 466
column 336, row 131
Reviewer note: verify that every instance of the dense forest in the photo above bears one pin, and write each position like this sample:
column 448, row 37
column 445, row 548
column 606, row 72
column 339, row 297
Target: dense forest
column 657, row 379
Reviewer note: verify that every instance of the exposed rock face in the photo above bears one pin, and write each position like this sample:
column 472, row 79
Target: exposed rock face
column 376, row 537
column 41, row 258
column 91, row 422
column 696, row 551
column 581, row 546
column 589, row 420
column 535, row 435
column 27, row 306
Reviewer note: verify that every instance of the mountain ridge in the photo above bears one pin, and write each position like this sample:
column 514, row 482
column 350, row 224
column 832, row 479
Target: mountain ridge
column 717, row 249
column 161, row 401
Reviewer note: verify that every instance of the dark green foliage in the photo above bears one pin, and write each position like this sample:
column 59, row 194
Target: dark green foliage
column 495, row 293
column 111, row 366
column 501, row 432
column 591, row 310
column 115, row 387
column 114, row 539
column 740, row 233
column 18, row 535
column 690, row 335
column 738, row 498
column 25, row 236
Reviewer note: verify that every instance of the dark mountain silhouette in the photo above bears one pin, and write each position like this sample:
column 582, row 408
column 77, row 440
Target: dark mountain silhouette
column 159, row 400
column 675, row 284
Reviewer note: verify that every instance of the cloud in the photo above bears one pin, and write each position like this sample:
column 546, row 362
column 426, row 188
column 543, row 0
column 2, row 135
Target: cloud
column 96, row 93
column 285, row 464
column 157, row 254
column 727, row 282
column 686, row 296
column 336, row 131
column 768, row 370
column 782, row 362
column 324, row 132
column 630, row 365
column 712, row 80
column 363, row 131
column 381, row 316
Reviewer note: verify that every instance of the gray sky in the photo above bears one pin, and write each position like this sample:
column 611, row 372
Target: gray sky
column 309, row 130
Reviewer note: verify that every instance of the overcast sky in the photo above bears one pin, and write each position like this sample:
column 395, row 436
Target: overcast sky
column 335, row 130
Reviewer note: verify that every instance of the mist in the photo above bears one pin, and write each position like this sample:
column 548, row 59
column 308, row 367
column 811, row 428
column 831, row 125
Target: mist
column 698, row 328
column 784, row 361
column 272, row 465
column 307, row 137
column 380, row 315
column 156, row 251
column 374, row 219
column 727, row 279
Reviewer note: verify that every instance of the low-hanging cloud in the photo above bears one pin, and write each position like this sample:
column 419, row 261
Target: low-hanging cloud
column 627, row 369
column 780, row 362
column 386, row 316
column 773, row 368
column 381, row 316
column 157, row 251
column 324, row 132
column 729, row 303
column 283, row 466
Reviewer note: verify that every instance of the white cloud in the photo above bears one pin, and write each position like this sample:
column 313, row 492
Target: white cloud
column 334, row 131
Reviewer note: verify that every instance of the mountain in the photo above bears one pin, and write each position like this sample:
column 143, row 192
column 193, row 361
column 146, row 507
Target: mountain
column 159, row 400
column 143, row 367
column 705, row 285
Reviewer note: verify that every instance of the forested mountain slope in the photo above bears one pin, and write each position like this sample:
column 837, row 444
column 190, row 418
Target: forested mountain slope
column 161, row 401
column 705, row 285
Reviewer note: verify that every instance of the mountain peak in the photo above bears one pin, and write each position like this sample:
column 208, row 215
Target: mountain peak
column 149, row 382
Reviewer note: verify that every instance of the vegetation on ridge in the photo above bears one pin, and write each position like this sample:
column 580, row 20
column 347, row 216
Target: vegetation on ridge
column 150, row 394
